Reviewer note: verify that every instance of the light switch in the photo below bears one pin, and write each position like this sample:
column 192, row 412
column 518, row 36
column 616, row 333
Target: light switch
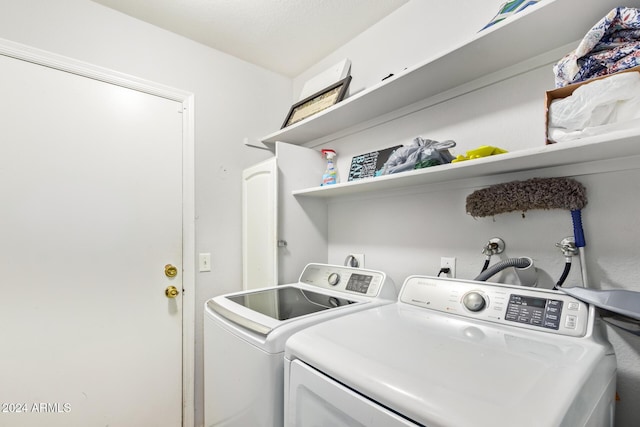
column 205, row 262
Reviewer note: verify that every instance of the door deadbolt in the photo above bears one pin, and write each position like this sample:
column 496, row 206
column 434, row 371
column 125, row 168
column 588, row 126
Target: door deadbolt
column 170, row 270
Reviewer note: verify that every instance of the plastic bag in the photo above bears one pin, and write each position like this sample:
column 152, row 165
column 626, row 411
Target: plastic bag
column 597, row 107
column 595, row 103
column 418, row 154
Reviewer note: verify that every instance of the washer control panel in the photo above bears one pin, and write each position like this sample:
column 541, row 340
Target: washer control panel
column 530, row 308
column 347, row 279
column 536, row 311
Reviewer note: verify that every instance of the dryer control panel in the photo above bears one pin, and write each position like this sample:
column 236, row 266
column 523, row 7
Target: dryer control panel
column 530, row 308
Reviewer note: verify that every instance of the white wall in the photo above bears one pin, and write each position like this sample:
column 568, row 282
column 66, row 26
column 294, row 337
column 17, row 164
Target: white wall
column 233, row 100
column 406, row 232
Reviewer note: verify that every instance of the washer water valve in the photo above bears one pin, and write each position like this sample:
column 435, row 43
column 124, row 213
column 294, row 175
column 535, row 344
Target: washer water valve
column 568, row 247
column 494, row 246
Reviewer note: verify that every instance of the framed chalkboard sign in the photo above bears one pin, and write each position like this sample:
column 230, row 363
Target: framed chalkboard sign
column 369, row 164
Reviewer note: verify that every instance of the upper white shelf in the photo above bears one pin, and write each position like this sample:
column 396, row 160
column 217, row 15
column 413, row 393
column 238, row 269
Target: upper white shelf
column 535, row 31
column 614, row 146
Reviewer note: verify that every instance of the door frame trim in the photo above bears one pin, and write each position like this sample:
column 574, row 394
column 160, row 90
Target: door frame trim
column 70, row 65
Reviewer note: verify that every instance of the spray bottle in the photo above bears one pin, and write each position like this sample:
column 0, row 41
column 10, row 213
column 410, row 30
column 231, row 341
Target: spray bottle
column 330, row 175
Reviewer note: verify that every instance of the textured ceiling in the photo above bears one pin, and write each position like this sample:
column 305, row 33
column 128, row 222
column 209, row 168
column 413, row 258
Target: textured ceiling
column 286, row 36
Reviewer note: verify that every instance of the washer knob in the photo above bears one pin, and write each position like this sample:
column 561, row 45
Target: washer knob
column 333, row 279
column 474, row 301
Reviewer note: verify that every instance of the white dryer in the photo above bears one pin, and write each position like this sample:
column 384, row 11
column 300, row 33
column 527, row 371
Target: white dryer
column 455, row 353
column 245, row 334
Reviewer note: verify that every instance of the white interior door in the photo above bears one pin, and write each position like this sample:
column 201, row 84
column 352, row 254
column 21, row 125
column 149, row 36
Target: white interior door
column 90, row 214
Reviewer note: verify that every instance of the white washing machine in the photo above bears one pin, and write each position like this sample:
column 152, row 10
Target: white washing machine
column 455, row 353
column 245, row 334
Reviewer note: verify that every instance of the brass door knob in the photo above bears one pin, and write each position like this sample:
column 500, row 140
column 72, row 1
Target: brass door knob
column 171, row 292
column 170, row 270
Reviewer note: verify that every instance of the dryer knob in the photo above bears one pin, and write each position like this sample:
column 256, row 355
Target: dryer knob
column 474, row 301
column 333, row 279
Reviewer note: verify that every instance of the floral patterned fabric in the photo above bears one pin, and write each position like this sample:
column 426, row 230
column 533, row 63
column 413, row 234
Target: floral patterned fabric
column 612, row 45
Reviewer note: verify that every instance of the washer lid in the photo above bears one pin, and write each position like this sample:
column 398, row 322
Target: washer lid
column 437, row 369
column 279, row 303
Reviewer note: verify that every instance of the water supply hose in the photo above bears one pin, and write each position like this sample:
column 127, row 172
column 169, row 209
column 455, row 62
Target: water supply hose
column 498, row 267
column 565, row 273
column 486, row 264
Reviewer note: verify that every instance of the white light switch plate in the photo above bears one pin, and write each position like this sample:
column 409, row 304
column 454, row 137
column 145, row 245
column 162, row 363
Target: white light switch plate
column 204, row 262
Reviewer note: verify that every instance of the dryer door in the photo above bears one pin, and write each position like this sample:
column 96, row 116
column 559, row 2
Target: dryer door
column 313, row 399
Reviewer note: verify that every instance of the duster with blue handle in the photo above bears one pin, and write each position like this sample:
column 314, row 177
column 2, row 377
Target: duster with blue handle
column 535, row 193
